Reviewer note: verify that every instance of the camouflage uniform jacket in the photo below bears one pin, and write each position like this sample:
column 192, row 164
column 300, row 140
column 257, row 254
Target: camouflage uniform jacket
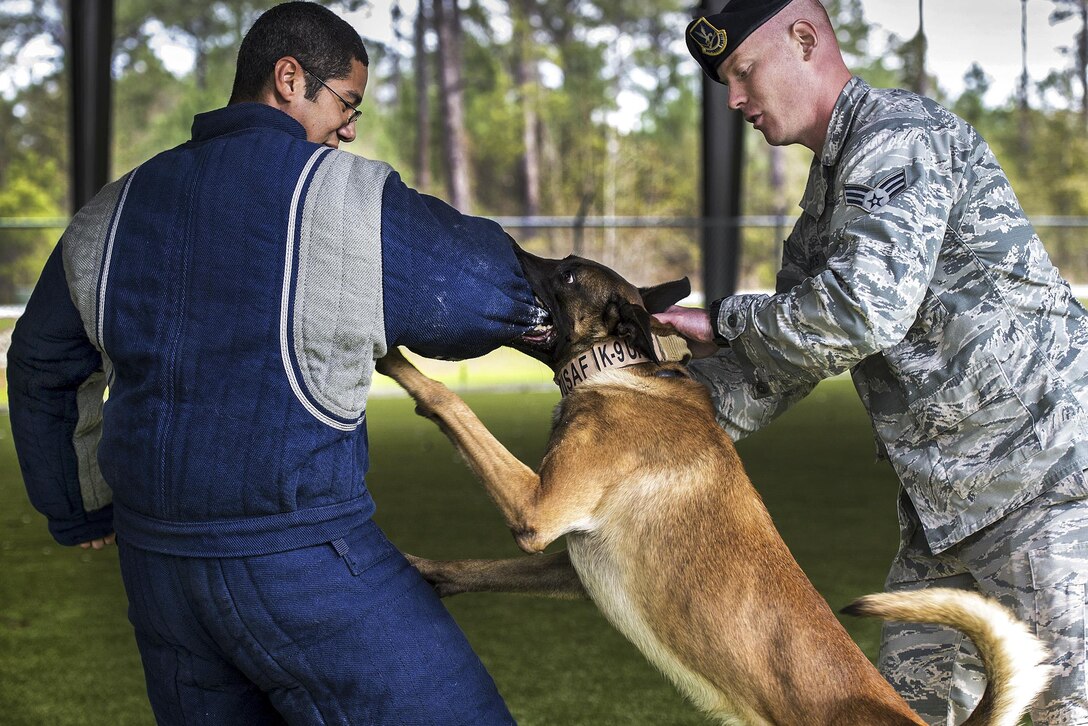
column 914, row 266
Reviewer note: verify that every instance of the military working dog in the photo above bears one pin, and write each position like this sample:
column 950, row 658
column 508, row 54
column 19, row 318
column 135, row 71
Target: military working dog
column 669, row 538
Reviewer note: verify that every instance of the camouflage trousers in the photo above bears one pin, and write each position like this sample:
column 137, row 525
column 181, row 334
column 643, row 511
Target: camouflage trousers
column 1035, row 561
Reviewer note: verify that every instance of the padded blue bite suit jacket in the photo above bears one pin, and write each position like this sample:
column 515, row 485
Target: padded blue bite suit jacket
column 233, row 294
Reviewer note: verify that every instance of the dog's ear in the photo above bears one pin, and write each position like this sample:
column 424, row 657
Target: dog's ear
column 659, row 297
column 634, row 327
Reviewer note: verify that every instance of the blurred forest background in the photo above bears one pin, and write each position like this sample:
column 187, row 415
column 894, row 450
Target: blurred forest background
column 508, row 108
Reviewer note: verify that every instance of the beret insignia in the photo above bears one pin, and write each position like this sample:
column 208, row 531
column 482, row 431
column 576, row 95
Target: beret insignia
column 711, row 40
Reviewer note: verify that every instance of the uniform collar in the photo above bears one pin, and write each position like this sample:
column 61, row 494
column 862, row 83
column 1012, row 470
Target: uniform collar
column 239, row 116
column 842, row 118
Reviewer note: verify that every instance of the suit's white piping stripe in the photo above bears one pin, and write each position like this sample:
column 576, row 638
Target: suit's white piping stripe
column 285, row 300
column 108, row 254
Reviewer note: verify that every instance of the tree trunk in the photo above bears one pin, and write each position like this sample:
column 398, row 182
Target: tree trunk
column 525, row 76
column 200, row 65
column 447, row 18
column 199, row 29
column 1082, row 61
column 423, row 108
column 920, row 81
column 1023, row 130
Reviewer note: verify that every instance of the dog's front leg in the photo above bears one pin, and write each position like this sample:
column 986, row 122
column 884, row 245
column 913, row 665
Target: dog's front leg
column 546, row 576
column 513, row 485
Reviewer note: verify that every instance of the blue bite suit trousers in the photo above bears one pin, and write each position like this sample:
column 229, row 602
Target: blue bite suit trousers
column 340, row 633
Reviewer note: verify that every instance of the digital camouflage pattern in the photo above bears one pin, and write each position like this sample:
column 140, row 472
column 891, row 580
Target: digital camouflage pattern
column 1034, row 561
column 914, row 267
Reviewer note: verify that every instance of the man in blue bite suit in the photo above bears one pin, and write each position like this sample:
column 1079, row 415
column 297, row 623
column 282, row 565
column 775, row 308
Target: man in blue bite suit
column 233, row 294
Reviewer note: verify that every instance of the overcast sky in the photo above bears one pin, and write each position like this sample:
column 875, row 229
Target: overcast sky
column 961, row 32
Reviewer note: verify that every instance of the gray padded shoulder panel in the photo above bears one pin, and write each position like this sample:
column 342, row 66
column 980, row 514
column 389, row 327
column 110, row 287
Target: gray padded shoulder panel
column 92, row 486
column 83, row 246
column 339, row 321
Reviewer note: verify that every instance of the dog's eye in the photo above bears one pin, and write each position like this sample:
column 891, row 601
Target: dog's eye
column 568, row 277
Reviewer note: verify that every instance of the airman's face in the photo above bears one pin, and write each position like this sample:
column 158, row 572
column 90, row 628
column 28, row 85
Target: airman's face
column 327, row 118
column 763, row 79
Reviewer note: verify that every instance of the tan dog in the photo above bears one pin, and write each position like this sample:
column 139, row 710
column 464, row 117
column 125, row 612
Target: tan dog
column 667, row 535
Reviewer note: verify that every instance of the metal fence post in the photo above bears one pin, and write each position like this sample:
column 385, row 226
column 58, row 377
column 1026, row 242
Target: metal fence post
column 723, row 167
column 90, row 38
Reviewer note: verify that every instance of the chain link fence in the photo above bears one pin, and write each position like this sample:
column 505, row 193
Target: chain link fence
column 645, row 250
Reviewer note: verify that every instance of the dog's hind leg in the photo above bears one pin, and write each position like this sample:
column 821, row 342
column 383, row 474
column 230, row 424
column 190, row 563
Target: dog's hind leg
column 535, row 519
column 546, row 576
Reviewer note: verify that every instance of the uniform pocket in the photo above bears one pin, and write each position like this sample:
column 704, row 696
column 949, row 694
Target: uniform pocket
column 364, row 548
column 928, row 322
column 1059, row 575
column 949, row 404
column 979, row 425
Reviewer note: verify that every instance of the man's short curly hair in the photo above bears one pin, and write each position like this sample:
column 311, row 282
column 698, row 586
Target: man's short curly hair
column 318, row 38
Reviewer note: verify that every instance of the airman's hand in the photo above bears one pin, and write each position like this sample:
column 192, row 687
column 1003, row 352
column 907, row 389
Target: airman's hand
column 97, row 544
column 694, row 325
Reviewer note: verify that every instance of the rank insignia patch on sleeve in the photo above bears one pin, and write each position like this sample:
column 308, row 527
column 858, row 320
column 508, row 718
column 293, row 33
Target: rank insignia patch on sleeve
column 872, row 199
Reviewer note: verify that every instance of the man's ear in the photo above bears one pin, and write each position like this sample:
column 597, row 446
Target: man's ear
column 287, row 78
column 806, row 36
column 658, row 298
column 634, row 326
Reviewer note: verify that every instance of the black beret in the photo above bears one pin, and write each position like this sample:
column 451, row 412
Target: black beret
column 711, row 39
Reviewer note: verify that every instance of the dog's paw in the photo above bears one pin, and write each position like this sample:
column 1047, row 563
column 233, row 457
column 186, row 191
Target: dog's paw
column 439, row 574
column 392, row 363
column 437, row 402
column 425, row 411
column 529, row 539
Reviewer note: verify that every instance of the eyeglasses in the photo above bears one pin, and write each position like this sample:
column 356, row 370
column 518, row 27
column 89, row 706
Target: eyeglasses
column 355, row 112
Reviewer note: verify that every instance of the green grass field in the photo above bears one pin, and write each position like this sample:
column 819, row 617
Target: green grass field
column 67, row 655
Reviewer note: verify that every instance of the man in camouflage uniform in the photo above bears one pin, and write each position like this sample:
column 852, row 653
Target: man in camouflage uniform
column 913, row 266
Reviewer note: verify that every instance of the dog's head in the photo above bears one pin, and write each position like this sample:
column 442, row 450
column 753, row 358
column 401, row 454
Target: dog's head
column 587, row 303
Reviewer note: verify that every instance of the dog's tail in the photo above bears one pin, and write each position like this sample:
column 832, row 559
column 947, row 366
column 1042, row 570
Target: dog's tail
column 1016, row 661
